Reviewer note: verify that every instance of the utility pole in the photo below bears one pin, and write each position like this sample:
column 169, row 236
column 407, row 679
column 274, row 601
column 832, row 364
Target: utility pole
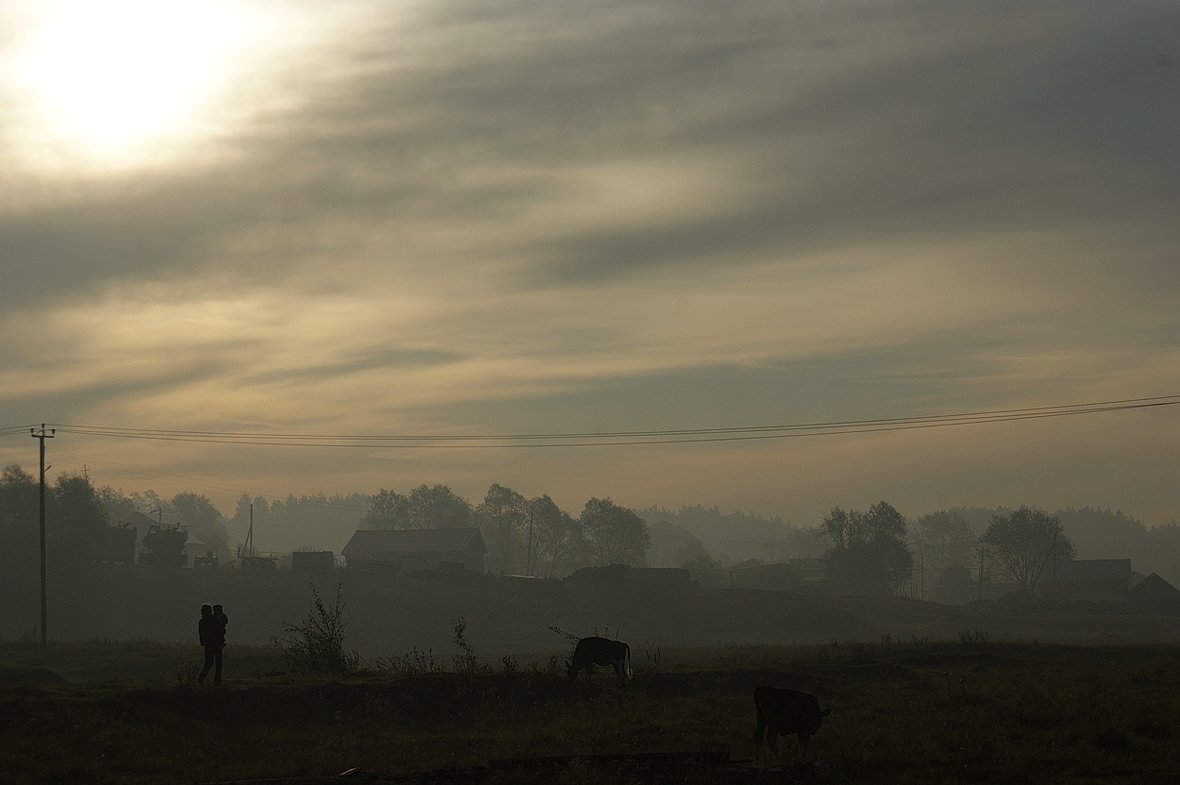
column 922, row 572
column 528, row 551
column 981, row 573
column 42, row 435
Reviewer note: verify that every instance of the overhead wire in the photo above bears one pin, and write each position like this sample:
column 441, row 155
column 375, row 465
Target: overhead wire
column 614, row 438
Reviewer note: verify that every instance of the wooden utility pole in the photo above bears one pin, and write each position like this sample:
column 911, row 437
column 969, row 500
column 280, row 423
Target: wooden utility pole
column 922, row 572
column 981, row 573
column 43, row 435
column 528, row 553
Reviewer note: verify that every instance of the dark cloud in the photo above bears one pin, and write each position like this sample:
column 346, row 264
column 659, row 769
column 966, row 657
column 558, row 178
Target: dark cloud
column 872, row 123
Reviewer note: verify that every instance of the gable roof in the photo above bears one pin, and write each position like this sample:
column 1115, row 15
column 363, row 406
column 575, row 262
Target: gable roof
column 137, row 519
column 389, row 542
column 1152, row 587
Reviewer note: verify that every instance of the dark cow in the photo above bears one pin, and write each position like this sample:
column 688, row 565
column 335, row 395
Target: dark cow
column 782, row 711
column 600, row 651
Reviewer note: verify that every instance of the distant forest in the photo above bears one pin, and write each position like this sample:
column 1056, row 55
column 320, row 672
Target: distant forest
column 534, row 535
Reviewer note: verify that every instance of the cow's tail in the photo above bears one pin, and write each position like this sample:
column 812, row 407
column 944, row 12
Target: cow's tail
column 627, row 661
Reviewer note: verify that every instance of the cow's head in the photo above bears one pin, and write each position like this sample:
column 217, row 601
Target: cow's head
column 819, row 720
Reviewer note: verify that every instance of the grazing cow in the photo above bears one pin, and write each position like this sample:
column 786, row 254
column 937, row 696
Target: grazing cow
column 600, row 651
column 780, row 711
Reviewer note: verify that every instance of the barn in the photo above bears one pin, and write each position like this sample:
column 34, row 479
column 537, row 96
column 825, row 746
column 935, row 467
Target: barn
column 405, row 551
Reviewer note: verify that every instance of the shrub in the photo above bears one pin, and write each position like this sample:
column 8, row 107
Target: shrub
column 465, row 660
column 317, row 644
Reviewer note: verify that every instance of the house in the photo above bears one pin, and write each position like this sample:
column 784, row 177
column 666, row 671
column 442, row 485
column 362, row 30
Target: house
column 1087, row 579
column 1153, row 587
column 138, row 522
column 406, row 551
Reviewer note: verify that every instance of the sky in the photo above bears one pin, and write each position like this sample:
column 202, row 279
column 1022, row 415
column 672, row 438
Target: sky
column 524, row 218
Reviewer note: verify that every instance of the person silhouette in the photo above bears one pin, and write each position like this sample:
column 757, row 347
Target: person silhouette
column 211, row 631
column 221, row 621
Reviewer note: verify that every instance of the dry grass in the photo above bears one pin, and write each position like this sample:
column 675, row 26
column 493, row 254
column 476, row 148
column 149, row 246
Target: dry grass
column 968, row 711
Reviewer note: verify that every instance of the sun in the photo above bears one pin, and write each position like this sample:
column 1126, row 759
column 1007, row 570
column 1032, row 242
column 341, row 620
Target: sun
column 117, row 83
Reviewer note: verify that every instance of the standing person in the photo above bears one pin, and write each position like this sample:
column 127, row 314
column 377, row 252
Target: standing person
column 211, row 630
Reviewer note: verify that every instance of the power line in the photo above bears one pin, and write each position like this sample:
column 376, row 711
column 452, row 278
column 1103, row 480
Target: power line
column 618, row 438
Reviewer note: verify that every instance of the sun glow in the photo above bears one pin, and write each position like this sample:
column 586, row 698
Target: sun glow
column 120, row 83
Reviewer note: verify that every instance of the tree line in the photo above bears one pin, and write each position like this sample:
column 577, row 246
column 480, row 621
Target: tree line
column 875, row 550
column 522, row 535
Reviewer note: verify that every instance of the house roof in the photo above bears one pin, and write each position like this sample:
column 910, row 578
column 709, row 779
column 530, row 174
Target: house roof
column 137, row 518
column 388, row 542
column 1151, row 587
column 1092, row 569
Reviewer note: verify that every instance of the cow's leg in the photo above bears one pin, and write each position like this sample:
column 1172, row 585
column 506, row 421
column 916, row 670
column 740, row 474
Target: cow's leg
column 759, row 729
column 772, row 733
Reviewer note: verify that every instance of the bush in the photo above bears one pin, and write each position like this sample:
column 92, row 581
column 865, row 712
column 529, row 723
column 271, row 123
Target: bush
column 317, row 644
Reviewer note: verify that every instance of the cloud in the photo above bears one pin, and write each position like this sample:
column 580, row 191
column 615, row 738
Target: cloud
column 538, row 215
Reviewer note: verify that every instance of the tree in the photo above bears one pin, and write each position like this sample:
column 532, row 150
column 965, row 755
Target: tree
column 147, row 501
column 794, row 543
column 438, row 507
column 944, row 539
column 426, row 507
column 502, row 516
column 614, row 535
column 19, row 534
column 671, row 544
column 75, row 520
column 556, row 535
column 693, row 555
column 387, row 510
column 300, row 520
column 1019, row 546
column 247, row 511
column 1097, row 532
column 869, row 550
column 202, row 518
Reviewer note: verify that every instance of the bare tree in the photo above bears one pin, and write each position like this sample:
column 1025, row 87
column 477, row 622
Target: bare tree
column 1018, row 546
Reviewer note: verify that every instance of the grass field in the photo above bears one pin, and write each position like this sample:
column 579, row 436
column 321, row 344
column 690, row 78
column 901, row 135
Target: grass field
column 971, row 710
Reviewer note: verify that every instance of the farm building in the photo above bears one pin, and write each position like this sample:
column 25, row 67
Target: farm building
column 406, row 551
column 1153, row 587
column 1088, row 579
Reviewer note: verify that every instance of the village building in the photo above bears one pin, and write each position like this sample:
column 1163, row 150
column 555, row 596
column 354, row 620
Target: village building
column 1153, row 587
column 1088, row 579
column 406, row 551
